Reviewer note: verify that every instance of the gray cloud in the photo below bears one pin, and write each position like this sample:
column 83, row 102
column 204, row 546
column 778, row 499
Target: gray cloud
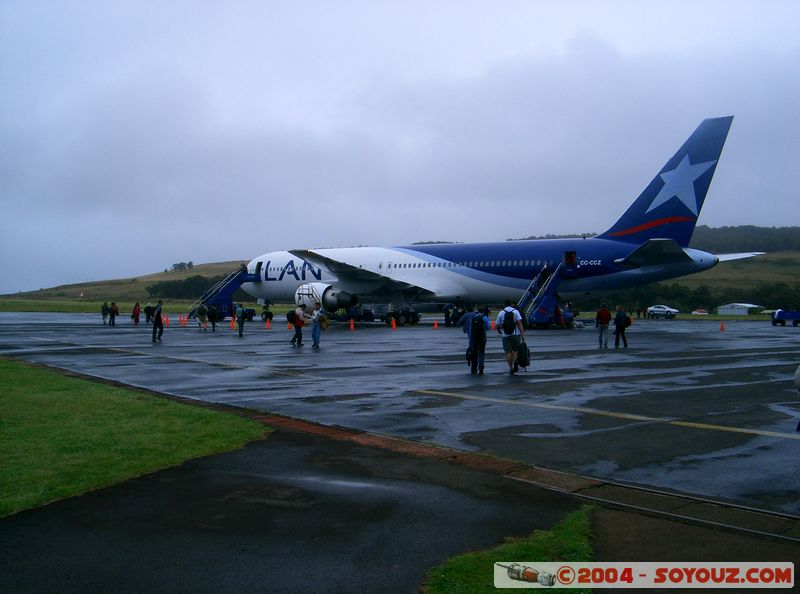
column 132, row 137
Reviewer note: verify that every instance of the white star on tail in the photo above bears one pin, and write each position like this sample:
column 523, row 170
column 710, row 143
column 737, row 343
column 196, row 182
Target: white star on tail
column 679, row 183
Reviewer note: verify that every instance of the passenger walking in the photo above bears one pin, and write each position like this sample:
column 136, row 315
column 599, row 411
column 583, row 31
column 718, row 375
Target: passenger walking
column 148, row 313
column 202, row 317
column 318, row 321
column 240, row 316
column 113, row 312
column 158, row 323
column 137, row 310
column 479, row 325
column 465, row 321
column 509, row 326
column 213, row 314
column 299, row 321
column 621, row 321
column 601, row 322
column 104, row 312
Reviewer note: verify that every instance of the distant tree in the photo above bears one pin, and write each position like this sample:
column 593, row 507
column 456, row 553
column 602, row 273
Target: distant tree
column 746, row 238
column 188, row 288
column 433, row 242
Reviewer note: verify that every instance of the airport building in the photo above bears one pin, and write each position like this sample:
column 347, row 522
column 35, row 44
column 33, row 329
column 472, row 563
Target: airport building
column 737, row 309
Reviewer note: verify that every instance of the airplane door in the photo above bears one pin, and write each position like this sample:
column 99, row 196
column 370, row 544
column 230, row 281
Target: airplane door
column 570, row 262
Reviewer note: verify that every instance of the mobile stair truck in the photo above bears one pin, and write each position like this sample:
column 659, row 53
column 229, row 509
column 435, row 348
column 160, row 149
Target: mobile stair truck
column 539, row 304
column 221, row 296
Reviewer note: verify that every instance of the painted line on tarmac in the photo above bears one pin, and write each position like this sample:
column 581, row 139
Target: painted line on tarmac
column 608, row 413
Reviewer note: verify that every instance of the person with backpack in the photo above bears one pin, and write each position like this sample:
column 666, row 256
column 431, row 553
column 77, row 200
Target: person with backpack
column 621, row 322
column 104, row 312
column 509, row 326
column 479, row 325
column 240, row 317
column 298, row 321
column 465, row 321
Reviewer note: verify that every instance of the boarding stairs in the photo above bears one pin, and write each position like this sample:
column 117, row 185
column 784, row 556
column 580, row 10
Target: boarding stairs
column 539, row 304
column 307, row 293
column 221, row 293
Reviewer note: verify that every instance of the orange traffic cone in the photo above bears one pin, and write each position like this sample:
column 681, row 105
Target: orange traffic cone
column 268, row 324
column 166, row 321
column 435, row 324
column 493, row 325
column 722, row 326
column 394, row 323
column 288, row 325
column 352, row 324
column 233, row 323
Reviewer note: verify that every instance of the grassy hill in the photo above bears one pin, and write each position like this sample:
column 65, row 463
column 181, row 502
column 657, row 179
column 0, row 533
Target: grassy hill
column 770, row 268
column 124, row 291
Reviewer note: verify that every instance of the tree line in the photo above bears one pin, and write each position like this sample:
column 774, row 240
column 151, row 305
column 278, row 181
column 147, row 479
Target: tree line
column 685, row 299
column 190, row 288
column 746, row 238
column 718, row 240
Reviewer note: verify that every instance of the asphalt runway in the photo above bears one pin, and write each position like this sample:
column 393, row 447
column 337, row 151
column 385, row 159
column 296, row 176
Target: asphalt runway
column 687, row 408
column 295, row 513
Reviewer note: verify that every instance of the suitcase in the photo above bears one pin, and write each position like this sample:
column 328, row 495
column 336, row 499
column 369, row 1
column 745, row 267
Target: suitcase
column 524, row 355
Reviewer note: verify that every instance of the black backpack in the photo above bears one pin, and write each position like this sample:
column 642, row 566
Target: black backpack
column 290, row 317
column 509, row 323
column 478, row 328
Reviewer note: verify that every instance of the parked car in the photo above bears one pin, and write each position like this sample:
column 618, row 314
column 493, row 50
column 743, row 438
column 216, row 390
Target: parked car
column 700, row 312
column 661, row 311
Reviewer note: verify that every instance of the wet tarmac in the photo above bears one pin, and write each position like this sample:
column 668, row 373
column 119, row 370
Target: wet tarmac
column 687, row 407
column 295, row 513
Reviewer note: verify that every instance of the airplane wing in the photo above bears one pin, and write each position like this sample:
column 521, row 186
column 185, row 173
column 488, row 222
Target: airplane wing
column 349, row 273
column 741, row 256
column 654, row 252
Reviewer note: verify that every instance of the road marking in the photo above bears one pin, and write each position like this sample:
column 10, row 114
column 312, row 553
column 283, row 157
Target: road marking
column 608, row 413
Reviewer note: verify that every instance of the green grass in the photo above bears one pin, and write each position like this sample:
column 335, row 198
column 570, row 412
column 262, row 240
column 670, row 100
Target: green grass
column 172, row 307
column 61, row 436
column 473, row 573
column 770, row 268
column 81, row 306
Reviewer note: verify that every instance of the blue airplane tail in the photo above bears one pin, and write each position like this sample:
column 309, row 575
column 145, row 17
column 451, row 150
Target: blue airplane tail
column 669, row 206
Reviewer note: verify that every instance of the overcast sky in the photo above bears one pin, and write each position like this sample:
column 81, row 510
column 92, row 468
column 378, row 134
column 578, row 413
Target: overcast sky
column 134, row 135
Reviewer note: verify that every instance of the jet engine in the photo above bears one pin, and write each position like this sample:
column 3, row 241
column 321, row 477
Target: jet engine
column 329, row 296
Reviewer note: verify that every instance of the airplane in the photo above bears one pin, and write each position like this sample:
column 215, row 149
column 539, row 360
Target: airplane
column 648, row 243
